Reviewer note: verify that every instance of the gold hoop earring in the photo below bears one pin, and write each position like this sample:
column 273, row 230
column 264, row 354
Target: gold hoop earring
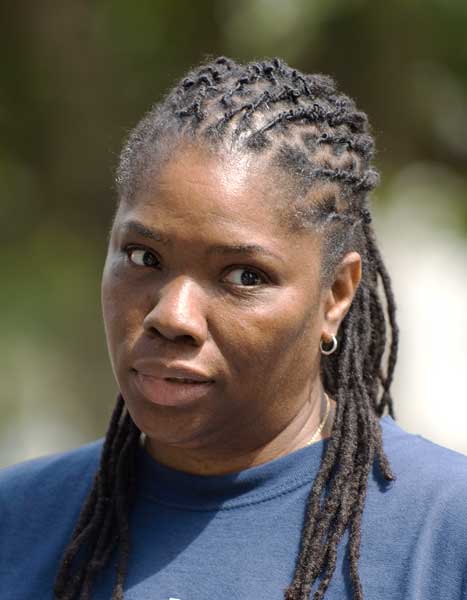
column 330, row 350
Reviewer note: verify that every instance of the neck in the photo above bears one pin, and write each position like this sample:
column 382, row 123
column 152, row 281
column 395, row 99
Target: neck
column 296, row 434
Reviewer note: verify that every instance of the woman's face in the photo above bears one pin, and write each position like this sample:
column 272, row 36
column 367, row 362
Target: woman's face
column 202, row 281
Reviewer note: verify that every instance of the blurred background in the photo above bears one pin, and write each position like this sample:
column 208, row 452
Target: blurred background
column 77, row 75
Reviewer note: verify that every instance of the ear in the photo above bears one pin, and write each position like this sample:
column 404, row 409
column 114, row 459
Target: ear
column 341, row 293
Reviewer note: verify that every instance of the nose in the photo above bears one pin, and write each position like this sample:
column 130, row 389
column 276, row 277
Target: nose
column 178, row 313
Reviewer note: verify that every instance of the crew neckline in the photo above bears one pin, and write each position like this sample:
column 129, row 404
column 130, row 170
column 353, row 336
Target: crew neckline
column 260, row 483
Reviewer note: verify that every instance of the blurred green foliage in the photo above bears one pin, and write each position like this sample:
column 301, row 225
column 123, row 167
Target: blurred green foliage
column 77, row 75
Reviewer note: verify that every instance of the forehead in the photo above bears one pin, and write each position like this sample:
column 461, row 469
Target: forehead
column 221, row 184
column 197, row 192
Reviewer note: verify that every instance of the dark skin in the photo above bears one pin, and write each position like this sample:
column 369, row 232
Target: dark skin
column 251, row 320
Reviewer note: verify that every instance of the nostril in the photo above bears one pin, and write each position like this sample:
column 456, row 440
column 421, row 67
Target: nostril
column 170, row 335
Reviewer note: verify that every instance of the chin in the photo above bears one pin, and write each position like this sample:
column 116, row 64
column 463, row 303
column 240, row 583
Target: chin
column 168, row 425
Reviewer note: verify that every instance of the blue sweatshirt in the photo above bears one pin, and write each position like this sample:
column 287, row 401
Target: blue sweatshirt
column 236, row 536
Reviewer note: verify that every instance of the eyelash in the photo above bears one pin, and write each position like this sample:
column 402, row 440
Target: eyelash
column 129, row 249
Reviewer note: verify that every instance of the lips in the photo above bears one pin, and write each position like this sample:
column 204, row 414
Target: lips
column 171, row 392
column 174, row 385
column 173, row 370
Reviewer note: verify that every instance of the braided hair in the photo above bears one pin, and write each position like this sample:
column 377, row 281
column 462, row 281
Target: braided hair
column 315, row 136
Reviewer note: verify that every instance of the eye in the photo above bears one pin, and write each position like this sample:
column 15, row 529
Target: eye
column 245, row 277
column 141, row 257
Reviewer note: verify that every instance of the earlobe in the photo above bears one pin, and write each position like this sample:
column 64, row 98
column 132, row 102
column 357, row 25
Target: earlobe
column 341, row 293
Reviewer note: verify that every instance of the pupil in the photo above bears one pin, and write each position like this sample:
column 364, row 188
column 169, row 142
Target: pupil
column 249, row 278
column 148, row 259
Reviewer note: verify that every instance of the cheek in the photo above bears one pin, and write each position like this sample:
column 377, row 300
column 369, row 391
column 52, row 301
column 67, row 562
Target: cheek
column 269, row 343
column 122, row 316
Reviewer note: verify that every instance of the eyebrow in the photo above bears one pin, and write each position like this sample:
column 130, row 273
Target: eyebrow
column 223, row 249
column 143, row 231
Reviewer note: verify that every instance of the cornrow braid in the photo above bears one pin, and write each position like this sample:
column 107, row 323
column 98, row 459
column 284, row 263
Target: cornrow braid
column 304, row 126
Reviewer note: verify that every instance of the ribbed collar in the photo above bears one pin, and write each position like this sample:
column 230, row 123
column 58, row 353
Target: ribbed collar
column 250, row 486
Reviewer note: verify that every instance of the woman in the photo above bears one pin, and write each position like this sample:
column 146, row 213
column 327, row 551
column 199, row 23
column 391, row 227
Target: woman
column 247, row 456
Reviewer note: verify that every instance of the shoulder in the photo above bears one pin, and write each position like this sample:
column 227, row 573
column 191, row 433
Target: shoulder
column 50, row 476
column 40, row 501
column 431, row 481
column 421, row 517
column 422, row 459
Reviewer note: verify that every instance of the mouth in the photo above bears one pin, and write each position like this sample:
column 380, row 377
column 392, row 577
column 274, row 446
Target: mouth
column 171, row 391
column 184, row 380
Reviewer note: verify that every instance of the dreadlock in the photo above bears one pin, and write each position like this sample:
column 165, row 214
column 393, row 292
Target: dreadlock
column 316, row 137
